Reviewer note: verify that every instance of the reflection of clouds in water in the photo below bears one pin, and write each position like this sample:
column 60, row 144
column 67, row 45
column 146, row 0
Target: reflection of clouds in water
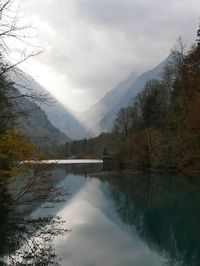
column 68, row 183
column 105, row 215
column 95, row 239
column 88, row 196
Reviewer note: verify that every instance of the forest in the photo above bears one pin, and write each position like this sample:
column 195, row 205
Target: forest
column 160, row 128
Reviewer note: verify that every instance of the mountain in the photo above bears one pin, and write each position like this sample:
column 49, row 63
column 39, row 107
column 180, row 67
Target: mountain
column 32, row 121
column 93, row 116
column 64, row 120
column 100, row 116
column 59, row 116
column 105, row 111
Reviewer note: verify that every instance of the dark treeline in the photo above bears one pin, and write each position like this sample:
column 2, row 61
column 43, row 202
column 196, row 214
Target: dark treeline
column 161, row 126
column 24, row 240
column 91, row 148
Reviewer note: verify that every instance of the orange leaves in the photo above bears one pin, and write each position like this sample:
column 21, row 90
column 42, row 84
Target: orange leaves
column 14, row 147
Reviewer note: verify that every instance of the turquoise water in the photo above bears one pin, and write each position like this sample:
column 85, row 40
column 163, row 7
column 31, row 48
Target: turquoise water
column 127, row 220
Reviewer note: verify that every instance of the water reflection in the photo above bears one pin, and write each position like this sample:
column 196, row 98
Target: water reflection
column 97, row 237
column 82, row 169
column 165, row 212
column 26, row 240
column 138, row 219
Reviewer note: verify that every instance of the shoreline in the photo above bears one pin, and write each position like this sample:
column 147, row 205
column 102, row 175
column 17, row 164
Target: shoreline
column 149, row 170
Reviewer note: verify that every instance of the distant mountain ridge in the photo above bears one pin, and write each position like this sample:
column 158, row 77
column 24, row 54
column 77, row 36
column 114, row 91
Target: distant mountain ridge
column 33, row 123
column 60, row 116
column 100, row 117
column 113, row 101
column 93, row 116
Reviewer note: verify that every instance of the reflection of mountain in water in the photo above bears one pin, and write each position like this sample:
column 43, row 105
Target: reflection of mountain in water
column 165, row 211
column 70, row 179
column 162, row 210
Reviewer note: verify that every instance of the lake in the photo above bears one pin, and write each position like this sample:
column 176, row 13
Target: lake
column 141, row 219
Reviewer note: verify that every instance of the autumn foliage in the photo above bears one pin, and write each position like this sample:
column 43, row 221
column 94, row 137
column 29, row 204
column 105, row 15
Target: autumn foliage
column 13, row 150
column 162, row 125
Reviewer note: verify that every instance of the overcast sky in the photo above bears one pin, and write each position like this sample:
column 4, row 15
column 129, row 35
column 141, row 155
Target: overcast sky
column 91, row 45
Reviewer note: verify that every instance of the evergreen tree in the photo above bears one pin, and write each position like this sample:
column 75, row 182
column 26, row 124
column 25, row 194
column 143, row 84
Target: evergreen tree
column 198, row 37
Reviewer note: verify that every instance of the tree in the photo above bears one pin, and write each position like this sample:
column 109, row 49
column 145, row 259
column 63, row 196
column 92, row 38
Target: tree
column 12, row 28
column 164, row 117
column 122, row 123
column 198, row 36
column 16, row 230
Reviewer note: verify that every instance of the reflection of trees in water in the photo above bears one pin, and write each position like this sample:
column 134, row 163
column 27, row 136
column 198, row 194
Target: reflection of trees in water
column 165, row 211
column 83, row 169
column 25, row 240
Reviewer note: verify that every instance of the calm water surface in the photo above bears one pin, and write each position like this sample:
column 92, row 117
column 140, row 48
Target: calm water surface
column 127, row 220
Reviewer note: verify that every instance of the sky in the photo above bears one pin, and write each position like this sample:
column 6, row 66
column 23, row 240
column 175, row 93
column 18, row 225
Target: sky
column 88, row 46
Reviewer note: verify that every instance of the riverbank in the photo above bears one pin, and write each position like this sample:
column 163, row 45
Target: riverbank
column 188, row 172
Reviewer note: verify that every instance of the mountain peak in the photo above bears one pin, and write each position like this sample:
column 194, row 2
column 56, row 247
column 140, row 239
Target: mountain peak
column 106, row 109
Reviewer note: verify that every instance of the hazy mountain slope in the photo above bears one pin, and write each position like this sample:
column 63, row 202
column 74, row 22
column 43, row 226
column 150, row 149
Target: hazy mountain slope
column 57, row 114
column 100, row 116
column 106, row 122
column 96, row 113
column 33, row 123
column 64, row 120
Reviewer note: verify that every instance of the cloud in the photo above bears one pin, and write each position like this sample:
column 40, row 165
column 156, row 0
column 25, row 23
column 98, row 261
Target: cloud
column 97, row 43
